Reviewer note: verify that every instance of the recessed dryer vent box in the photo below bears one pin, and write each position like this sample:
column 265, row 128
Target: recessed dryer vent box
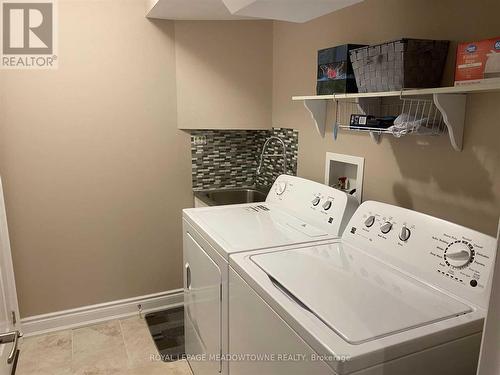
column 340, row 165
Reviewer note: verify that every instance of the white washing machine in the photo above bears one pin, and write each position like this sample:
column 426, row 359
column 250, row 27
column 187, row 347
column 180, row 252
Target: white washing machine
column 400, row 293
column 296, row 211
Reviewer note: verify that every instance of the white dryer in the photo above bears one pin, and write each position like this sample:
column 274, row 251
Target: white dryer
column 400, row 293
column 296, row 211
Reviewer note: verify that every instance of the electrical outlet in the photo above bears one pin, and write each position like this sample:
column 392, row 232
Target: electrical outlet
column 199, row 140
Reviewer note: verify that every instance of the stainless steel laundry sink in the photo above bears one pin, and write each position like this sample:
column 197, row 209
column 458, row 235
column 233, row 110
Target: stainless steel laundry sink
column 230, row 196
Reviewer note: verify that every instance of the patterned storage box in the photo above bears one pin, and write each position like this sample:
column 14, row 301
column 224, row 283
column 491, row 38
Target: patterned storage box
column 404, row 63
column 335, row 75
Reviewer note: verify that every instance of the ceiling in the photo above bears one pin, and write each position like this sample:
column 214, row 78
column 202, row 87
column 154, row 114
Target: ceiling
column 191, row 10
column 283, row 10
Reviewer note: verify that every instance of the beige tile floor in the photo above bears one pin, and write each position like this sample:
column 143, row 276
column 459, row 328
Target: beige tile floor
column 116, row 347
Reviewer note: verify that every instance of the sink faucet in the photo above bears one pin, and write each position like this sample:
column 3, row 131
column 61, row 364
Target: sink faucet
column 262, row 154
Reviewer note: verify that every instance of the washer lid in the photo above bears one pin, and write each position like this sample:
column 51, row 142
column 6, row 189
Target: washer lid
column 358, row 297
column 256, row 226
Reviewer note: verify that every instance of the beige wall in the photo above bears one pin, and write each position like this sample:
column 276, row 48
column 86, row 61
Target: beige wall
column 95, row 170
column 224, row 74
column 421, row 173
column 96, row 173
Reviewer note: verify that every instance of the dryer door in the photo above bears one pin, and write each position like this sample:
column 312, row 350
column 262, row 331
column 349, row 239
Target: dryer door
column 202, row 310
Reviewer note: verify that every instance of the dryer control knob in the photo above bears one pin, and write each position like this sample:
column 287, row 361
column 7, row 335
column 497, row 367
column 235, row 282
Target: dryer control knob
column 281, row 187
column 404, row 234
column 370, row 221
column 327, row 205
column 316, row 201
column 459, row 254
column 386, row 227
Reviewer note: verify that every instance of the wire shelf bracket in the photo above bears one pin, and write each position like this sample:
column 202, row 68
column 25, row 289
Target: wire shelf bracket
column 452, row 108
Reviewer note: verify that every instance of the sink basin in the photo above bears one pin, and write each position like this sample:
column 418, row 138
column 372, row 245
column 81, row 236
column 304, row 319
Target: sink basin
column 230, row 196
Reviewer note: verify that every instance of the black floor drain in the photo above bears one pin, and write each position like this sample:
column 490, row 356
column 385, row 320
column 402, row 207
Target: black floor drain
column 167, row 329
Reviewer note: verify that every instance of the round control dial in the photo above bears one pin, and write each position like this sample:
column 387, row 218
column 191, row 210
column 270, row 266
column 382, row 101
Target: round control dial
column 316, row 201
column 405, row 233
column 370, row 221
column 386, row 227
column 281, row 187
column 327, row 205
column 459, row 254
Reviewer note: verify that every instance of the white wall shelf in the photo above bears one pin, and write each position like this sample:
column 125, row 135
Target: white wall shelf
column 450, row 101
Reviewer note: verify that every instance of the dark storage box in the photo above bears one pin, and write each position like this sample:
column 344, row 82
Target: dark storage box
column 371, row 122
column 335, row 74
column 400, row 64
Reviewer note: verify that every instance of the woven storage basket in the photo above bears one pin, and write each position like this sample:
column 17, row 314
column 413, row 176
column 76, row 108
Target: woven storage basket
column 399, row 64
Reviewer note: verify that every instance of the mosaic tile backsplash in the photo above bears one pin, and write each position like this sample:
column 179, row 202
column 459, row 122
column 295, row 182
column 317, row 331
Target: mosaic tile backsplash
column 230, row 157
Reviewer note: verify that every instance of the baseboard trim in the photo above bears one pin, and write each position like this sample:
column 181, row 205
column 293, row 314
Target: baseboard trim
column 82, row 316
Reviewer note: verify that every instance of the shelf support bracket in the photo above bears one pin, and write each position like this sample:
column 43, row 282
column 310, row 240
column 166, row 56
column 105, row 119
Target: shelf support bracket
column 369, row 106
column 452, row 108
column 376, row 137
column 317, row 109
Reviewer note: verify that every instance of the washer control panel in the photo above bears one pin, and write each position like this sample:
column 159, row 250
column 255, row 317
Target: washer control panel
column 327, row 208
column 455, row 258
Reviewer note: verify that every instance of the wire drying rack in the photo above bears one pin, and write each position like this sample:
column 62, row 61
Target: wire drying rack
column 414, row 116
